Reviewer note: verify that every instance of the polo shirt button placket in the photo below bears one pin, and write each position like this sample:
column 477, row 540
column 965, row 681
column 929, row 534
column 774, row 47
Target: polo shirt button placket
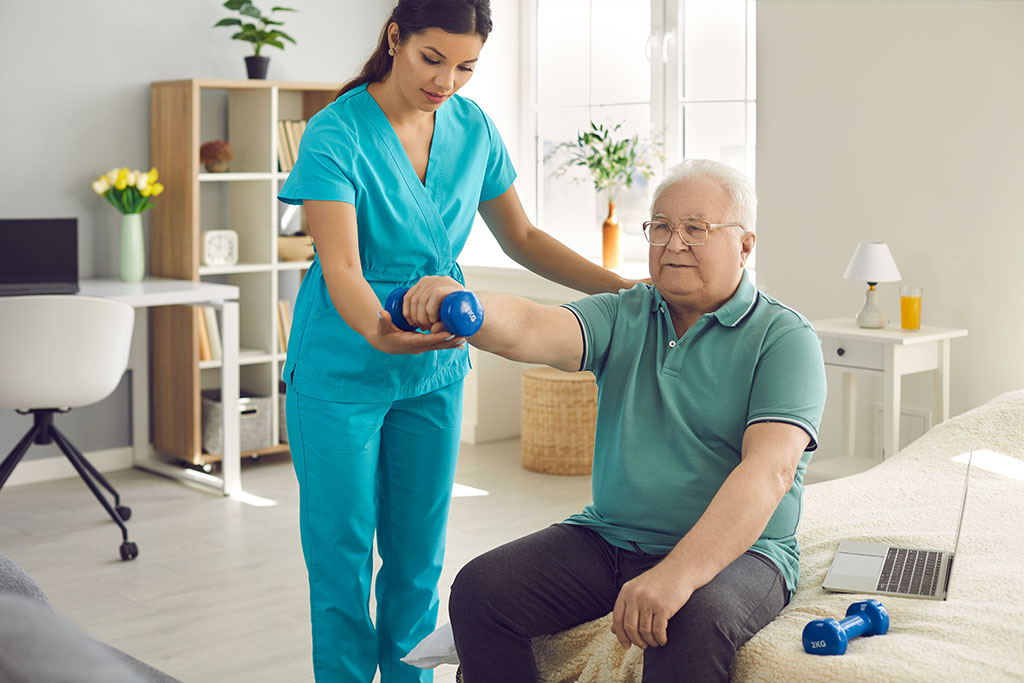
column 672, row 344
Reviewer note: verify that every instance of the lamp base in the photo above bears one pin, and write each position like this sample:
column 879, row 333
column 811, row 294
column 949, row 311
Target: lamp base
column 871, row 316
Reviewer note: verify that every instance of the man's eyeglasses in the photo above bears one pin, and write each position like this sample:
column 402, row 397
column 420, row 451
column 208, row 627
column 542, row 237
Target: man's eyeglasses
column 693, row 232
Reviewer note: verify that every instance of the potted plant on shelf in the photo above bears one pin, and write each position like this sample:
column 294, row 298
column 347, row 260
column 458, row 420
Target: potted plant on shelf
column 131, row 193
column 614, row 162
column 215, row 155
column 256, row 65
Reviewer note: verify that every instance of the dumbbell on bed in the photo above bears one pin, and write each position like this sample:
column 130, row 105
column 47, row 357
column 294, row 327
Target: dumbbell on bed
column 830, row 637
column 461, row 312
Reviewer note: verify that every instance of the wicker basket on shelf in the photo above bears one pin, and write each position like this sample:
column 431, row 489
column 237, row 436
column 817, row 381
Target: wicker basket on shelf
column 558, row 419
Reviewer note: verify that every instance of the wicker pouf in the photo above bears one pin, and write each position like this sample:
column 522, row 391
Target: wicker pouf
column 559, row 415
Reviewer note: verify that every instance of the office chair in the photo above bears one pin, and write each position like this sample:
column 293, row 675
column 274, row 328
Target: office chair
column 58, row 353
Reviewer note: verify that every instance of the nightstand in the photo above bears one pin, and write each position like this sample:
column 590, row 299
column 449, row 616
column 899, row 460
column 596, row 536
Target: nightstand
column 891, row 353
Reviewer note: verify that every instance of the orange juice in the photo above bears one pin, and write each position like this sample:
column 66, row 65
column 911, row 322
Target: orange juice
column 910, row 308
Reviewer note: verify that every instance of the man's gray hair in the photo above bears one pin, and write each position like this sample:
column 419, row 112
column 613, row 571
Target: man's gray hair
column 736, row 185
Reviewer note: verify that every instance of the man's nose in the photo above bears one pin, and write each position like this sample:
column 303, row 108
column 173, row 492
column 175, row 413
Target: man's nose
column 676, row 243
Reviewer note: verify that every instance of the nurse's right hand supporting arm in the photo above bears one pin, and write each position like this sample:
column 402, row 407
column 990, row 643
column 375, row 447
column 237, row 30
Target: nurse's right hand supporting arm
column 332, row 225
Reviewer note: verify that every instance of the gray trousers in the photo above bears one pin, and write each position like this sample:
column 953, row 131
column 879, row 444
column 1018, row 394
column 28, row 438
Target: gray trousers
column 566, row 575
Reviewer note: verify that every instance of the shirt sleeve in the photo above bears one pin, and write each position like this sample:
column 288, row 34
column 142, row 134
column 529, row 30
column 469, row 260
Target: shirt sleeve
column 323, row 168
column 597, row 315
column 789, row 383
column 500, row 173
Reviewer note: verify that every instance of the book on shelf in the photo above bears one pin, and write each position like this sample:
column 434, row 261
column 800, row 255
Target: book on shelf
column 284, row 158
column 213, row 330
column 204, row 336
column 293, row 131
column 284, row 323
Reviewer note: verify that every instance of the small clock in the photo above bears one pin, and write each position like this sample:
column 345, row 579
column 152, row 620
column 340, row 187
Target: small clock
column 220, row 247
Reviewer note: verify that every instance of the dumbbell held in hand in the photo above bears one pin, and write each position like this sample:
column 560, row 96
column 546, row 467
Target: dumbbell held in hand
column 461, row 312
column 830, row 637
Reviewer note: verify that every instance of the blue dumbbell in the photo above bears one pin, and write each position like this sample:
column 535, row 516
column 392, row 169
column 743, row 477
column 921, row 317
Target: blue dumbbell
column 461, row 312
column 830, row 637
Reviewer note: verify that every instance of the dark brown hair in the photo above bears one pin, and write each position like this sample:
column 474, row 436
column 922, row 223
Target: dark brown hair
column 416, row 16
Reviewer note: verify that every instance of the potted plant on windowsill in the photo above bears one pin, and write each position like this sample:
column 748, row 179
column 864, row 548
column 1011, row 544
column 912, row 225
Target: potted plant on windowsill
column 256, row 65
column 614, row 162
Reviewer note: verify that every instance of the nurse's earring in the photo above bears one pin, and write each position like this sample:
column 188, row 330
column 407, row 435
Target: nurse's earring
column 391, row 52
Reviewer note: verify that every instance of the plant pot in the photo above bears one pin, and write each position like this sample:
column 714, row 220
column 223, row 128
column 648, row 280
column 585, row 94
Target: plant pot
column 611, row 252
column 216, row 166
column 256, row 67
column 132, row 256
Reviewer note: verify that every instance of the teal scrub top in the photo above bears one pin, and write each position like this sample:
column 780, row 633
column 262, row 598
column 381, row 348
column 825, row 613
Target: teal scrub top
column 672, row 411
column 407, row 229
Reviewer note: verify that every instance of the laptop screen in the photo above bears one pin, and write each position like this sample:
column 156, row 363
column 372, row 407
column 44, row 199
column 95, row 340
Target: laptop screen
column 38, row 255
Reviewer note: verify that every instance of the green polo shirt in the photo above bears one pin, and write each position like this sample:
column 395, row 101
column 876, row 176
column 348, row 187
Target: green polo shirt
column 672, row 411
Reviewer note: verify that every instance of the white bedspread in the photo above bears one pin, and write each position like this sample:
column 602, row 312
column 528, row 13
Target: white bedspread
column 911, row 499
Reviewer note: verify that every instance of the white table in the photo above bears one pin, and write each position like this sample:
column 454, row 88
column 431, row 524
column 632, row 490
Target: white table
column 891, row 353
column 154, row 291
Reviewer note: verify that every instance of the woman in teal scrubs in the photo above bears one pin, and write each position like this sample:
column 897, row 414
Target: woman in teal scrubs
column 391, row 175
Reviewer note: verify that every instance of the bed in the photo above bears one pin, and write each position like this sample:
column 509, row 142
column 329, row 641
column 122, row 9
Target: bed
column 911, row 499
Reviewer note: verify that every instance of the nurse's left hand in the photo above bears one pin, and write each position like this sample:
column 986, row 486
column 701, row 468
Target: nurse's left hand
column 391, row 339
column 421, row 305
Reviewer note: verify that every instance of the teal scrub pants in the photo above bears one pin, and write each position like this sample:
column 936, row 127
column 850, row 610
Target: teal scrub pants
column 366, row 467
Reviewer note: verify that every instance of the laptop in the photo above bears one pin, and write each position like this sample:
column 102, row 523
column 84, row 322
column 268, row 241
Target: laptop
column 38, row 256
column 882, row 569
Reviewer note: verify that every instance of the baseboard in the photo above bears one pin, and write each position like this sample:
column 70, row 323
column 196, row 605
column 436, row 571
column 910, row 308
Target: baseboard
column 58, row 467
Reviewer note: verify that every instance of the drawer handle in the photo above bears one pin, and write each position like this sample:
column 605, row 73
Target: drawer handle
column 840, row 351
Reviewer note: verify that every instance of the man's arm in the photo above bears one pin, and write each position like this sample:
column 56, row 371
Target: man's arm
column 513, row 327
column 732, row 522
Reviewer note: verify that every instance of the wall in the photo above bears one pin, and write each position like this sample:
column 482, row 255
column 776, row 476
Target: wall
column 898, row 121
column 74, row 102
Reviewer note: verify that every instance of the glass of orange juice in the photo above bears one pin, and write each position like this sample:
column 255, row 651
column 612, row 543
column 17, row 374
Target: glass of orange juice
column 910, row 308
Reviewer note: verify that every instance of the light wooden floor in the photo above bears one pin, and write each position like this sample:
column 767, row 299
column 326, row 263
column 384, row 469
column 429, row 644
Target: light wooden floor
column 218, row 592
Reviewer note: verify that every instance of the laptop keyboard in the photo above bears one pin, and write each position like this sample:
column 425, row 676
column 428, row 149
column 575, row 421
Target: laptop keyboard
column 912, row 572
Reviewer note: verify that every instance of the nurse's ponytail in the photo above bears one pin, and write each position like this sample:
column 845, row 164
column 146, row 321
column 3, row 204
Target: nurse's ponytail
column 416, row 16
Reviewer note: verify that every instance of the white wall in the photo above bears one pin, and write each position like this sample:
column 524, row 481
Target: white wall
column 74, row 102
column 900, row 121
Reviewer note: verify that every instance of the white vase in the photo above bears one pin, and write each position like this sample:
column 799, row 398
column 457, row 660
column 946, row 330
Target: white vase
column 132, row 255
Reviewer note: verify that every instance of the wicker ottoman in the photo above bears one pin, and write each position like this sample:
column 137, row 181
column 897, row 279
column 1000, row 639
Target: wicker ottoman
column 558, row 419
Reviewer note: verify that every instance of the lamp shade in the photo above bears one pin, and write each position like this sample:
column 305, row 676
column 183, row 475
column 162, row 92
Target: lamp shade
column 872, row 262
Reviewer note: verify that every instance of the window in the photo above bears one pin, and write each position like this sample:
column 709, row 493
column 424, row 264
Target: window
column 680, row 71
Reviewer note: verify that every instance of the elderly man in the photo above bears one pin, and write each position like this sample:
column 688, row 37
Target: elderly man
column 711, row 393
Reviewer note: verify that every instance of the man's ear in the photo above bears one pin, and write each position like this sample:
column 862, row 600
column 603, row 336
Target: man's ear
column 746, row 247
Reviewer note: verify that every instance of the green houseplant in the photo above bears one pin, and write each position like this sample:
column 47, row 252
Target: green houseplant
column 614, row 161
column 267, row 34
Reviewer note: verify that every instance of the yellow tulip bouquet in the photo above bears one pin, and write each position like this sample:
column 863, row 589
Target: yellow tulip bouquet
column 128, row 191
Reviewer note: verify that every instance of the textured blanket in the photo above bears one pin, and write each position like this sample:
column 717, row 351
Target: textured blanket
column 910, row 499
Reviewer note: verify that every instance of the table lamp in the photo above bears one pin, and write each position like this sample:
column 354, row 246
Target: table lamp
column 872, row 263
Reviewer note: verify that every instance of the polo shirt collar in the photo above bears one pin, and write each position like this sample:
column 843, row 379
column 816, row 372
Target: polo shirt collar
column 733, row 311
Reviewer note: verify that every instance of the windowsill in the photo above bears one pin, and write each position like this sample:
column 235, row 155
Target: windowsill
column 512, row 278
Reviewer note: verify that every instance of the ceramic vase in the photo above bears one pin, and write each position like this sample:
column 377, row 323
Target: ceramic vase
column 132, row 255
column 611, row 253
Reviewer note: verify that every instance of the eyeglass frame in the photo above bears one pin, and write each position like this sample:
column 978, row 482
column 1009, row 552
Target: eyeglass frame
column 708, row 227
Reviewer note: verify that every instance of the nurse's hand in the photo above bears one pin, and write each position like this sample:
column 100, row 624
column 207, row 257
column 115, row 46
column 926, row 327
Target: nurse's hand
column 421, row 305
column 390, row 339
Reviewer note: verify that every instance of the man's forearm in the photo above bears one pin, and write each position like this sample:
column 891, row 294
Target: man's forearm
column 522, row 330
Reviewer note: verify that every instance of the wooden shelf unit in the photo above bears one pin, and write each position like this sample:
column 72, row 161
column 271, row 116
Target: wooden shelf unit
column 185, row 114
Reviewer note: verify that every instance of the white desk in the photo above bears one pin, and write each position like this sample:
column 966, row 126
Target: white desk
column 891, row 353
column 164, row 292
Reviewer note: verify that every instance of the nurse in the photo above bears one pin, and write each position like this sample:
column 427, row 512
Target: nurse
column 391, row 175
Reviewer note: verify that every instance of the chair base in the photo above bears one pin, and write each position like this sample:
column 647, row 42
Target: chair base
column 43, row 431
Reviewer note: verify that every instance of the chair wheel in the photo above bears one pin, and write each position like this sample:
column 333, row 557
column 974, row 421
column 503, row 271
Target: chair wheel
column 124, row 512
column 207, row 467
column 129, row 551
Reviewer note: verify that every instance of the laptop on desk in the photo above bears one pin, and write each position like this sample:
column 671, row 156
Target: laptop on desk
column 883, row 569
column 38, row 256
